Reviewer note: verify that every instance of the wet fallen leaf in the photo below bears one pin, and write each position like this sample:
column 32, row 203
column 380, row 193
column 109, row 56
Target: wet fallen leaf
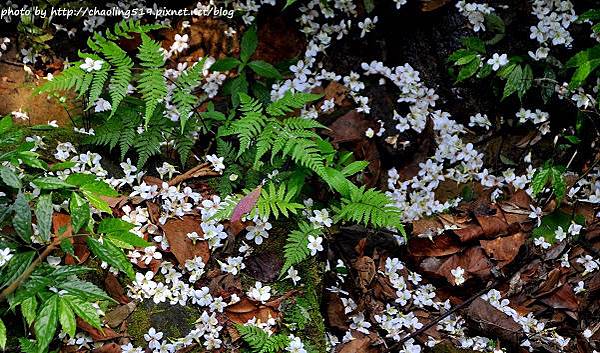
column 181, row 245
column 366, row 270
column 491, row 320
column 336, row 317
column 115, row 290
column 442, row 245
column 246, row 204
column 108, row 348
column 264, row 266
column 97, row 335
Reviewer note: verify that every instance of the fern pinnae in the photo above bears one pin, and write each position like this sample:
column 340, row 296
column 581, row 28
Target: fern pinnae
column 151, row 84
column 290, row 102
column 296, row 248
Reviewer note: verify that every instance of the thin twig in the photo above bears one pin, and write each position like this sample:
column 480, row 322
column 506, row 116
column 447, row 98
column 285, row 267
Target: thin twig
column 200, row 170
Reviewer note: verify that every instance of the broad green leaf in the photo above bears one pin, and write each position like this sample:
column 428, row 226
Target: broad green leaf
column 22, row 219
column 111, row 254
column 525, row 82
column 43, row 215
column 84, row 290
column 559, row 184
column 225, row 64
column 84, row 310
column 354, row 167
column 2, row 335
column 584, row 56
column 468, row 70
column 5, row 124
column 513, row 81
column 46, row 322
column 66, row 317
column 466, row 59
column 100, row 187
column 80, row 211
column 10, row 178
column 17, row 265
column 289, row 3
column 540, row 179
column 460, row 53
column 62, row 166
column 552, row 221
column 128, row 240
column 582, row 73
column 32, row 159
column 474, row 44
column 114, row 225
column 238, row 85
column 51, row 183
column 29, row 309
column 547, row 85
column 248, row 44
column 96, row 201
column 80, row 179
column 264, row 69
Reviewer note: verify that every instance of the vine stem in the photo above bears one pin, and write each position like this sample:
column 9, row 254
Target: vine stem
column 25, row 275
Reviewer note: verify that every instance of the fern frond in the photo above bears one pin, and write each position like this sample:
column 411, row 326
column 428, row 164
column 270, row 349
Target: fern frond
column 97, row 86
column 70, row 79
column 290, row 102
column 298, row 123
column 124, row 28
column 146, row 145
column 260, row 341
column 184, row 86
column 305, row 153
column 152, row 84
column 369, row 207
column 226, row 207
column 121, row 77
column 296, row 248
column 251, row 124
column 183, row 145
column 274, row 201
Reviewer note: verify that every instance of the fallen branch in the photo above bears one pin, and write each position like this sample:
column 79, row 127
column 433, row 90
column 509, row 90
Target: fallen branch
column 198, row 171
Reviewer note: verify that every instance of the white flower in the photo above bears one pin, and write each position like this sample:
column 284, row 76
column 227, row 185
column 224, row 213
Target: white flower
column 321, row 218
column 587, row 333
column 52, row 123
column 370, row 133
column 258, row 231
column 574, row 229
column 102, row 105
column 5, row 256
column 589, row 263
column 153, row 337
column 217, row 162
column 259, row 292
column 560, row 234
column 497, row 61
column 314, row 244
column 360, row 324
column 367, row 25
column 458, row 274
column 180, row 43
column 91, row 65
column 292, row 274
column 541, row 242
column 295, row 345
column 579, row 288
column 536, row 213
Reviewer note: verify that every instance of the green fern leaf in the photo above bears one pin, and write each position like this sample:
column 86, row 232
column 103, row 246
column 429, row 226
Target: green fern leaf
column 296, row 248
column 290, row 102
column 152, row 84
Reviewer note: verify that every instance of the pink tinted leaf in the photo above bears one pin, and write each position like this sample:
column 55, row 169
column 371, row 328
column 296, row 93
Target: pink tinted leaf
column 246, row 204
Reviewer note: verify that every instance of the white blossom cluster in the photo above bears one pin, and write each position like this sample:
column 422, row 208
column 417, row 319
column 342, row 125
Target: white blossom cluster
column 555, row 17
column 475, row 13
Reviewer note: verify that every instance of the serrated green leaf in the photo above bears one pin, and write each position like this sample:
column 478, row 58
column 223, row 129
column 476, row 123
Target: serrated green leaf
column 540, row 179
column 80, row 211
column 66, row 317
column 111, row 254
column 128, row 240
column 2, row 335
column 10, row 178
column 46, row 322
column 51, row 183
column 114, row 225
column 248, row 44
column 17, row 265
column 22, row 218
column 225, row 64
column 264, row 69
column 96, row 201
column 84, row 310
column 43, row 215
column 62, row 166
column 84, row 290
column 29, row 309
column 80, row 179
column 469, row 69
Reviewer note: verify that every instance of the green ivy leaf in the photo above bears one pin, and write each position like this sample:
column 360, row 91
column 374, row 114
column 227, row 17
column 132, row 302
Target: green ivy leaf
column 111, row 254
column 80, row 211
column 80, row 179
column 10, row 178
column 43, row 215
column 264, row 69
column 22, row 219
column 248, row 44
column 66, row 317
column 46, row 322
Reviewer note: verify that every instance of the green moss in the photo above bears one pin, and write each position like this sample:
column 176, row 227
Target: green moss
column 175, row 321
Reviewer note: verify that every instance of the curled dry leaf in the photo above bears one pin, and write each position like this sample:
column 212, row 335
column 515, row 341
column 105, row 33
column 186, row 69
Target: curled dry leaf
column 246, row 204
column 264, row 266
column 115, row 317
column 504, row 249
column 442, row 245
column 360, row 343
column 473, row 260
column 366, row 271
column 246, row 309
column 182, row 247
column 336, row 316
